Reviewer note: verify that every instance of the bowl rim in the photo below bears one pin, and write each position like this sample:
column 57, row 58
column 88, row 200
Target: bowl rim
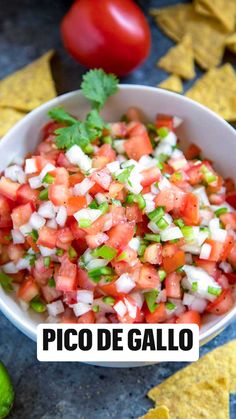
column 22, row 324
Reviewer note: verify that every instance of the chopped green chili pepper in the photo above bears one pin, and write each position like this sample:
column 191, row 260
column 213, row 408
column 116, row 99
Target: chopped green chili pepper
column 150, row 298
column 43, row 196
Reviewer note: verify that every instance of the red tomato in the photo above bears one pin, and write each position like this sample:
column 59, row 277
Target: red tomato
column 120, row 235
column 25, row 194
column 207, row 265
column 172, row 284
column 133, row 213
column 138, row 146
column 148, row 277
column 28, row 289
column 5, row 213
column 153, row 254
column 172, row 263
column 107, row 151
column 191, row 211
column 231, row 199
column 96, row 240
column 190, row 316
column 159, row 315
column 229, row 220
column 84, row 281
column 50, row 294
column 15, row 252
column 20, row 215
column 109, row 288
column 75, row 178
column 114, row 35
column 231, row 277
column 102, row 178
column 164, row 121
column 216, row 250
column 66, row 278
column 150, row 176
column 88, row 317
column 8, row 188
column 222, row 304
column 58, row 194
column 75, row 203
column 192, row 152
column 50, row 128
column 47, row 237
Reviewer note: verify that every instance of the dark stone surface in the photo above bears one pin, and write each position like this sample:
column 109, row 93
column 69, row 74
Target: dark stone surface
column 63, row 390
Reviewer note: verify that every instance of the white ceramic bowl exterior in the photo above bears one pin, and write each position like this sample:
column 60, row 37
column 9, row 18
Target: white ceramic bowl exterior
column 201, row 126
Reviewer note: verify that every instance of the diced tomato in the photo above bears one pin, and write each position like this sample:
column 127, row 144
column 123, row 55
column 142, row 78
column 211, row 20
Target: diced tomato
column 107, row 151
column 171, row 199
column 75, row 178
column 231, row 199
column 153, row 254
column 138, row 146
column 195, row 174
column 31, row 243
column 121, row 267
column 117, row 214
column 102, row 178
column 150, row 176
column 50, row 294
column 120, row 235
column 222, row 304
column 207, row 265
column 5, row 213
column 8, row 188
column 61, row 176
column 191, row 214
column 232, row 256
column 133, row 114
column 109, row 288
column 58, row 194
column 192, row 152
column 50, row 128
column 25, row 194
column 28, row 289
column 172, row 285
column 190, row 316
column 64, row 238
column 4, row 236
column 42, row 161
column 77, row 232
column 227, row 247
column 115, row 188
column 135, row 128
column 96, row 240
column 66, row 278
column 88, row 317
column 222, row 280
column 148, row 277
column 164, row 121
column 21, row 214
column 84, row 282
column 40, row 272
column 169, row 250
column 75, row 203
column 231, row 276
column 63, row 161
column 47, row 237
column 99, row 224
column 15, row 252
column 216, row 250
column 99, row 162
column 229, row 185
column 118, row 129
column 133, row 213
column 133, row 311
column 158, row 316
column 96, row 188
column 174, row 262
column 229, row 220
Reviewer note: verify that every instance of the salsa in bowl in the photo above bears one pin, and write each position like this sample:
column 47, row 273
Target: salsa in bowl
column 117, row 223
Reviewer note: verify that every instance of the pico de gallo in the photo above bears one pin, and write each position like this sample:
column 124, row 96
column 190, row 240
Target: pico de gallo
column 113, row 223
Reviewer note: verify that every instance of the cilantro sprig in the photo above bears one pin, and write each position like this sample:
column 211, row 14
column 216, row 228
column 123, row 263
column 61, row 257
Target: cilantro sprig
column 97, row 86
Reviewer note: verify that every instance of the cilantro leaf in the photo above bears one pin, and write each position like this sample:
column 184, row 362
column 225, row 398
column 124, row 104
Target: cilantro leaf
column 97, row 86
column 95, row 120
column 60, row 115
column 6, row 282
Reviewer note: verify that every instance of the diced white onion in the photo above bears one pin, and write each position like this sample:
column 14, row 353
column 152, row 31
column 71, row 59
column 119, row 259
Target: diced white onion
column 134, row 243
column 17, row 236
column 23, row 263
column 194, row 303
column 96, row 263
column 26, row 229
column 161, row 298
column 76, row 156
column 89, row 198
column 83, row 187
column 52, row 223
column 132, row 309
column 85, row 296
column 52, row 319
column 188, row 258
column 138, row 297
column 119, row 146
column 191, row 248
column 35, row 182
column 177, row 121
column 46, row 210
column 81, row 308
column 49, row 167
column 120, row 308
column 214, row 224
column 164, row 184
column 203, row 279
column 219, row 235
column 205, row 251
column 226, row 267
column 36, row 221
column 153, row 227
column 171, row 139
column 171, row 233
column 113, row 166
column 10, row 268
column 124, row 283
column 46, row 251
column 100, row 198
column 61, row 216
column 88, row 214
column 15, row 173
column 55, row 308
column 200, row 192
column 146, row 162
column 30, row 166
column 163, row 148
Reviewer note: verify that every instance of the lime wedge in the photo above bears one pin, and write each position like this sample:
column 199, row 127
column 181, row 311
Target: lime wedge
column 6, row 392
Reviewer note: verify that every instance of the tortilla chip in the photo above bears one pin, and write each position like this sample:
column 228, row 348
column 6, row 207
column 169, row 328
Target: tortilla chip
column 223, row 10
column 221, row 361
column 207, row 399
column 208, row 35
column 173, row 83
column 29, row 87
column 230, row 42
column 8, row 118
column 179, row 59
column 217, row 90
column 160, row 412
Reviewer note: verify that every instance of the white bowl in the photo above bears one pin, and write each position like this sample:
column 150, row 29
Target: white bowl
column 201, row 126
